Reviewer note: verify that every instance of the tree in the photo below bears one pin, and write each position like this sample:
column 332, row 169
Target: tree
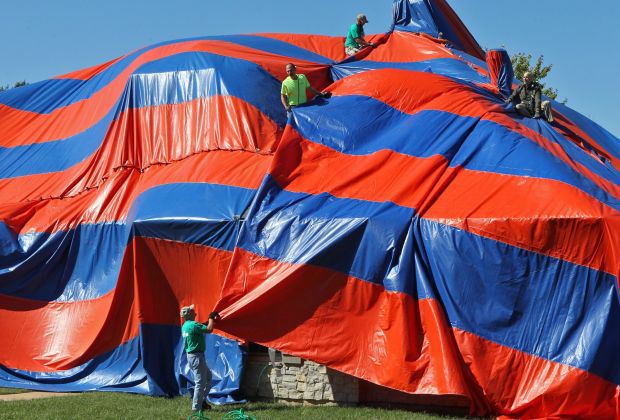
column 16, row 85
column 521, row 63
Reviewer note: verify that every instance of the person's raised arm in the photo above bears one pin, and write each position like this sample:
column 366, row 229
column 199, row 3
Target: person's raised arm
column 213, row 316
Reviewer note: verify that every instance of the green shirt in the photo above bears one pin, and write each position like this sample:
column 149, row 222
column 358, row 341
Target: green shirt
column 355, row 31
column 295, row 90
column 193, row 335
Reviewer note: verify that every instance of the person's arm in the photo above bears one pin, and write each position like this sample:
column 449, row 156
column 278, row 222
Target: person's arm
column 284, row 97
column 362, row 42
column 513, row 95
column 284, row 100
column 213, row 316
column 359, row 39
column 317, row 93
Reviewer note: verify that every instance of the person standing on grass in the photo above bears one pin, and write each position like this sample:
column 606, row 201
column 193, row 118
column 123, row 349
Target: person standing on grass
column 194, row 340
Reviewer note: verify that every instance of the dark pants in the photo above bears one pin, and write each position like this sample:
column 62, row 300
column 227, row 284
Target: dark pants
column 545, row 107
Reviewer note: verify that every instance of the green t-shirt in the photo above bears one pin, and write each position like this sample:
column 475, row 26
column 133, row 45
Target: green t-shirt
column 295, row 90
column 193, row 335
column 355, row 31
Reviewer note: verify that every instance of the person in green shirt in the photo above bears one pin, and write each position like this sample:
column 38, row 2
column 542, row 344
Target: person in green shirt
column 355, row 37
column 193, row 334
column 293, row 91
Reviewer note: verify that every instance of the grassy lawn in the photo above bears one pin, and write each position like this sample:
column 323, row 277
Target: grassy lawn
column 103, row 405
column 4, row 391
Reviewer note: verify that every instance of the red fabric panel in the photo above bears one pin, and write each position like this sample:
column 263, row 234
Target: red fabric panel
column 468, row 41
column 143, row 137
column 89, row 72
column 494, row 61
column 403, row 47
column 75, row 118
column 420, row 91
column 327, row 46
column 51, row 336
column 528, row 387
column 113, row 199
column 394, row 340
column 479, row 202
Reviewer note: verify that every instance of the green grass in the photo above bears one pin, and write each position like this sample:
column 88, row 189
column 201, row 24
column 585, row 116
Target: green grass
column 5, row 391
column 103, row 405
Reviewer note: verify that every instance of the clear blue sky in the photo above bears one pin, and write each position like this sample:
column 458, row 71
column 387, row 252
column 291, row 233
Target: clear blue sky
column 41, row 38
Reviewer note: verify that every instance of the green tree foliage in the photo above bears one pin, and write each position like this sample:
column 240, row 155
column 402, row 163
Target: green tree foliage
column 16, row 85
column 522, row 63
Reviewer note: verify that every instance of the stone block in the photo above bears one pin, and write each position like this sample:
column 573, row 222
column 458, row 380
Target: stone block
column 289, row 379
column 295, row 395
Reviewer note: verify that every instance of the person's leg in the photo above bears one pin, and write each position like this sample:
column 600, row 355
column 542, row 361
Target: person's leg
column 206, row 384
column 194, row 363
column 522, row 109
column 351, row 51
column 547, row 111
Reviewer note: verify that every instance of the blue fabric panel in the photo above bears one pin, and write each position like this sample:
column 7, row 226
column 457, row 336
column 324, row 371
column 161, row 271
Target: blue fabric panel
column 153, row 363
column 608, row 141
column 506, row 74
column 48, row 95
column 53, row 156
column 494, row 290
column 65, row 266
column 119, row 370
column 466, row 141
column 226, row 359
column 448, row 67
column 414, row 16
column 274, row 46
column 158, row 83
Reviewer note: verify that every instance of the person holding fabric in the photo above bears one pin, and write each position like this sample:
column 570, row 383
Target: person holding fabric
column 355, row 37
column 529, row 95
column 193, row 334
column 293, row 91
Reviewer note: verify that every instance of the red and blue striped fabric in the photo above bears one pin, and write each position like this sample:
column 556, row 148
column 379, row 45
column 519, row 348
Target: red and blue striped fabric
column 411, row 230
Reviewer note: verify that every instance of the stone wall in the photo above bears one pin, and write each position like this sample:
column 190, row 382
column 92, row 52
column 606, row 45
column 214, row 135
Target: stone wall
column 296, row 380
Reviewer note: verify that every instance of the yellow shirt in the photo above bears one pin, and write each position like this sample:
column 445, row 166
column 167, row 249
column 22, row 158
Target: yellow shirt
column 295, row 90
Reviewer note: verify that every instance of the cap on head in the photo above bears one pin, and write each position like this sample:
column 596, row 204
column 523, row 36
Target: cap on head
column 186, row 310
column 362, row 17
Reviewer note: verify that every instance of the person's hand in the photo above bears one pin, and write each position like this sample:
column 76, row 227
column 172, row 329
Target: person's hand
column 214, row 316
column 371, row 45
column 326, row 95
column 288, row 108
column 507, row 101
column 537, row 116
